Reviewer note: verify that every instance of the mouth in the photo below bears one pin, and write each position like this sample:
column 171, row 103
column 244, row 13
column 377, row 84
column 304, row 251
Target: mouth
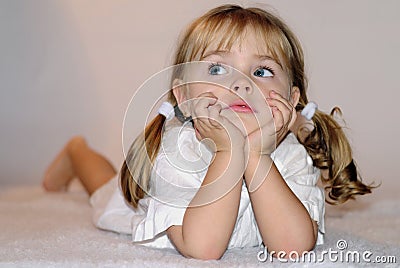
column 240, row 106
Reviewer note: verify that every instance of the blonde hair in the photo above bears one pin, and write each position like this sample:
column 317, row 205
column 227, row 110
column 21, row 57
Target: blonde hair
column 224, row 26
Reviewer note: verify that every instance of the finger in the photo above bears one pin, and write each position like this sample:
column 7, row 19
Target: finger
column 200, row 113
column 198, row 135
column 278, row 118
column 201, row 104
column 207, row 95
column 278, row 103
column 284, row 112
column 198, row 129
column 284, row 107
column 278, row 100
column 275, row 95
column 204, row 100
column 214, row 114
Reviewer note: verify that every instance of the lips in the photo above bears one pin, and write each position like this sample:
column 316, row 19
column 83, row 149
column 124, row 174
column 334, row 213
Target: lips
column 240, row 106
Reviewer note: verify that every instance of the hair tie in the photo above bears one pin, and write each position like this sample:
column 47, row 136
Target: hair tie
column 181, row 117
column 166, row 109
column 309, row 110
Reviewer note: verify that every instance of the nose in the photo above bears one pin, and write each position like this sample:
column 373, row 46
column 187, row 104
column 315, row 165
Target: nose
column 242, row 86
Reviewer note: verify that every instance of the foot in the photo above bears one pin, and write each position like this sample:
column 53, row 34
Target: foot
column 60, row 172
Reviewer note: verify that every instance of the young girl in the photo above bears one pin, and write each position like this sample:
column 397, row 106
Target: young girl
column 255, row 183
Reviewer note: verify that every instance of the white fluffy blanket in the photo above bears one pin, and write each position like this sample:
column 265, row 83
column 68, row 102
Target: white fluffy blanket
column 39, row 229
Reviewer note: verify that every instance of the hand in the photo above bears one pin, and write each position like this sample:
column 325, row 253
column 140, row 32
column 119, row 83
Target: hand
column 273, row 128
column 283, row 112
column 209, row 124
column 262, row 140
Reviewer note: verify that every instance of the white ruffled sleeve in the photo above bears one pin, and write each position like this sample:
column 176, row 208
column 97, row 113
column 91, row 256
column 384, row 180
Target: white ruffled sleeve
column 177, row 175
column 296, row 167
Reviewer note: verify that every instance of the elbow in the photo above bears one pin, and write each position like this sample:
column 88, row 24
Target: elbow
column 306, row 245
column 200, row 247
column 205, row 252
column 298, row 250
column 300, row 245
column 293, row 250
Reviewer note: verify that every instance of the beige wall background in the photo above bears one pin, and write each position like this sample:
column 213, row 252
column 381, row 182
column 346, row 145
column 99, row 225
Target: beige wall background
column 70, row 67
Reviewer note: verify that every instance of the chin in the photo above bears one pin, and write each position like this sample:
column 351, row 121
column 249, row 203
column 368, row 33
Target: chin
column 246, row 123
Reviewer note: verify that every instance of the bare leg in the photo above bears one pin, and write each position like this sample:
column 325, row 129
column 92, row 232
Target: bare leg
column 77, row 159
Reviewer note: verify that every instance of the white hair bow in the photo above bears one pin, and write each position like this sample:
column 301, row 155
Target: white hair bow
column 167, row 110
column 309, row 110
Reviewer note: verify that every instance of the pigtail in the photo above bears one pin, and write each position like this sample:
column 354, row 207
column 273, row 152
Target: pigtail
column 136, row 169
column 330, row 150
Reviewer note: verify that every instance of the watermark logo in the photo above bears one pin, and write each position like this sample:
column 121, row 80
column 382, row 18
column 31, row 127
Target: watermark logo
column 237, row 111
column 341, row 244
column 340, row 254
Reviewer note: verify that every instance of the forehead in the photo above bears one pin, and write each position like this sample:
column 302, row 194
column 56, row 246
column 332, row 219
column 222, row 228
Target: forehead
column 246, row 41
column 262, row 39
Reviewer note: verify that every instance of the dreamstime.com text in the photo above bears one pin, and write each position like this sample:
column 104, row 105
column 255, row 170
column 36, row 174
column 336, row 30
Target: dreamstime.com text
column 341, row 254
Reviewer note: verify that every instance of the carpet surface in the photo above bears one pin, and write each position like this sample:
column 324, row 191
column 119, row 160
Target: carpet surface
column 39, row 229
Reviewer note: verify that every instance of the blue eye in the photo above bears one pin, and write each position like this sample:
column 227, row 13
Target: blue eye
column 264, row 72
column 216, row 69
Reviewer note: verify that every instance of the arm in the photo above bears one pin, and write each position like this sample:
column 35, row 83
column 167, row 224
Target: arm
column 283, row 221
column 210, row 218
column 206, row 229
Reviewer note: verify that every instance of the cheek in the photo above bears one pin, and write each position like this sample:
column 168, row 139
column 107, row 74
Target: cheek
column 277, row 86
column 197, row 89
column 283, row 87
column 246, row 123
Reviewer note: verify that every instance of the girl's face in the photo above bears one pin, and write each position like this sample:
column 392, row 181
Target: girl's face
column 241, row 78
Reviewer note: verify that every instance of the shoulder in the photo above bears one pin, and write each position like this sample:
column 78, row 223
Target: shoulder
column 291, row 158
column 180, row 143
column 290, row 148
column 174, row 136
column 181, row 161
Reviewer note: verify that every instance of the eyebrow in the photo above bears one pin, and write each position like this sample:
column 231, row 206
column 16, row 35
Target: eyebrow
column 215, row 52
column 224, row 52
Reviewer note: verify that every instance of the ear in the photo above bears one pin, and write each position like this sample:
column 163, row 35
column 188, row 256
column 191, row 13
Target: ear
column 178, row 89
column 295, row 96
